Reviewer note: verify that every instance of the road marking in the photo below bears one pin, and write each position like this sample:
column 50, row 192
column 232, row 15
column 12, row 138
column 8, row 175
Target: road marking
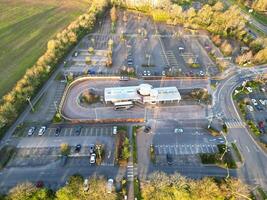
column 247, row 148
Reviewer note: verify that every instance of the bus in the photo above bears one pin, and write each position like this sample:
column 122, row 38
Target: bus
column 125, row 105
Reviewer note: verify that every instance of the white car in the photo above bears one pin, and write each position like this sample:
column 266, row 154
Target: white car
column 42, row 130
column 92, row 158
column 115, row 129
column 31, row 131
column 263, row 102
column 201, row 73
column 254, row 101
column 250, row 108
column 178, row 130
column 148, row 73
column 249, row 89
column 163, row 73
column 85, row 185
column 110, row 185
column 145, row 73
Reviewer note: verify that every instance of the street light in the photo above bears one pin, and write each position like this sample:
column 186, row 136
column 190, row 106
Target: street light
column 30, row 103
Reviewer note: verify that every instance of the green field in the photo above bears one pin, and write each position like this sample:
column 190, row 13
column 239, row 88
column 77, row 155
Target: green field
column 25, row 28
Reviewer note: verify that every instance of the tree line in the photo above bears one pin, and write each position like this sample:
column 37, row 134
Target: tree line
column 158, row 186
column 58, row 47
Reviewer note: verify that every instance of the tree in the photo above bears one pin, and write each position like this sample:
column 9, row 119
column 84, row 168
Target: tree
column 23, row 191
column 113, row 14
column 65, row 149
column 226, row 48
column 74, row 190
column 218, row 6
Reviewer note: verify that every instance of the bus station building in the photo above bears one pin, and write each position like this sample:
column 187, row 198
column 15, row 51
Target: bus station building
column 143, row 93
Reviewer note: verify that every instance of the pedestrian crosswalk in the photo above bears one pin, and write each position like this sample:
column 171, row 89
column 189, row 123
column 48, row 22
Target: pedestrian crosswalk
column 131, row 171
column 234, row 123
column 182, row 149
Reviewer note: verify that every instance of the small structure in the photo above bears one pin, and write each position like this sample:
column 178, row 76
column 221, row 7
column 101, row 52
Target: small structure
column 143, row 93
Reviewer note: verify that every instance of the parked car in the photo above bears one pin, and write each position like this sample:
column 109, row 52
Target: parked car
column 92, row 158
column 31, row 131
column 124, row 78
column 115, row 129
column 58, row 130
column 91, row 148
column 178, row 130
column 77, row 130
column 259, row 108
column 163, row 73
column 39, row 184
column 148, row 73
column 145, row 73
column 85, row 185
column 110, row 185
column 92, row 72
column 78, row 148
column 263, row 102
column 249, row 89
column 42, row 130
column 250, row 108
column 147, row 129
column 169, row 159
column 254, row 101
column 261, row 124
column 201, row 73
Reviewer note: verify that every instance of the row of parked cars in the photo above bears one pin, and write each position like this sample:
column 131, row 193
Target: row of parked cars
column 42, row 130
column 77, row 130
column 259, row 105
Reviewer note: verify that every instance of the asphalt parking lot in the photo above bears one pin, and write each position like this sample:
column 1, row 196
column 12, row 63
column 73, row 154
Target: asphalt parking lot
column 153, row 49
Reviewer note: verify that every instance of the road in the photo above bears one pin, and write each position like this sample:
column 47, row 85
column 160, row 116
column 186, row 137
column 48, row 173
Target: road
column 253, row 21
column 254, row 169
column 73, row 110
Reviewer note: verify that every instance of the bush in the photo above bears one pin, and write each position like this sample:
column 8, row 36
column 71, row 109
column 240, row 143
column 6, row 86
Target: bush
column 65, row 149
column 254, row 128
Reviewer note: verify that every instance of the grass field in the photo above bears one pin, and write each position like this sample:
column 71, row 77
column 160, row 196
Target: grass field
column 25, row 28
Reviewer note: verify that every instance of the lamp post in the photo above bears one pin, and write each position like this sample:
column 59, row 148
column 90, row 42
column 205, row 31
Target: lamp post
column 30, row 103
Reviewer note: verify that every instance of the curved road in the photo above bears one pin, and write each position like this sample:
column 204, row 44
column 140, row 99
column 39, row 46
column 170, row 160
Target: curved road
column 255, row 159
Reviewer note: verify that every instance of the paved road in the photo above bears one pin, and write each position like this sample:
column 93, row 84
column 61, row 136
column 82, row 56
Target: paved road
column 257, row 24
column 73, row 110
column 254, row 169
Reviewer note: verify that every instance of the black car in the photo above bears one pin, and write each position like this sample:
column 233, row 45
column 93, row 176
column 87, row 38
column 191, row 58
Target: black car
column 169, row 159
column 58, row 130
column 147, row 129
column 78, row 148
column 78, row 130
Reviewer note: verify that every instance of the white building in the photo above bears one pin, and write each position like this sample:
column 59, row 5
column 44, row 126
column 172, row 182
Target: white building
column 143, row 93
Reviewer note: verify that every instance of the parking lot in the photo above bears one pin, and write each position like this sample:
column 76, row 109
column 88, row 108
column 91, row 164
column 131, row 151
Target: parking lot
column 150, row 49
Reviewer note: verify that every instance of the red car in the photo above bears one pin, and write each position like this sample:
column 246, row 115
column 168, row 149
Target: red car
column 39, row 184
column 261, row 124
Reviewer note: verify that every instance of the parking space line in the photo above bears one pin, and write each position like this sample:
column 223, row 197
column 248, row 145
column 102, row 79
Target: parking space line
column 175, row 150
column 102, row 131
column 202, row 151
column 207, row 148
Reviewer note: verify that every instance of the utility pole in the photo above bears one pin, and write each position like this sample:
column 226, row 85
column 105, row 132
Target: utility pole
column 55, row 104
column 30, row 103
